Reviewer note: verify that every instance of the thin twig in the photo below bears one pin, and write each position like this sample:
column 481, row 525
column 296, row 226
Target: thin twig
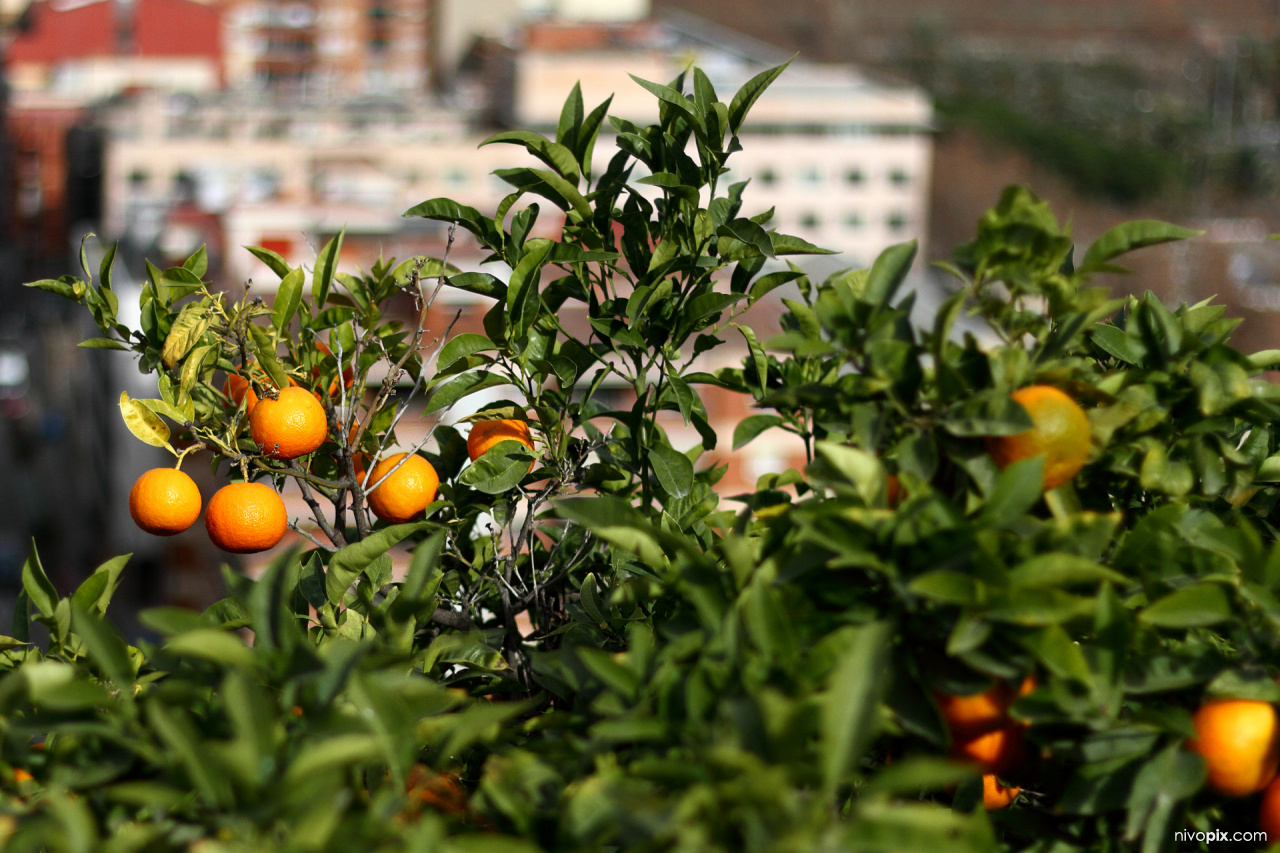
column 297, row 528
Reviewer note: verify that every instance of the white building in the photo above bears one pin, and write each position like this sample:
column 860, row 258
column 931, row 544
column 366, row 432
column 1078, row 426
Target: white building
column 844, row 159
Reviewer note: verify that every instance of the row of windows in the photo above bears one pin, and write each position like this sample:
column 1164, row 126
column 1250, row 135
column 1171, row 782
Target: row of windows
column 813, row 176
column 896, row 221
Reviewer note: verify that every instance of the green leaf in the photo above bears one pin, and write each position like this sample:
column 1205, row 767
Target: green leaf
column 673, row 470
column 105, row 646
column 788, row 244
column 326, row 266
column 751, row 426
column 461, row 386
column 570, row 117
column 36, row 583
column 1059, row 569
column 95, row 592
column 1129, row 236
column 888, row 273
column 550, row 186
column 522, row 289
column 758, row 357
column 461, row 346
column 850, row 706
column 746, row 231
column 745, row 98
column 1191, row 607
column 102, row 343
column 448, row 210
column 554, row 154
column 350, row 562
column 288, row 298
column 213, row 645
column 278, row 265
column 500, row 469
column 1117, row 343
column 948, row 587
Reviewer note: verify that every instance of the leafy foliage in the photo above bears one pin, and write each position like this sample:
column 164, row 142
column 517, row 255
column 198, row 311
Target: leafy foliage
column 689, row 677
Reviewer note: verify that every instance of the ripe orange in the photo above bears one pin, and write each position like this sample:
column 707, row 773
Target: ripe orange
column 1269, row 814
column 485, row 435
column 893, row 491
column 1240, row 742
column 238, row 388
column 1060, row 434
column 978, row 713
column 406, row 492
column 20, row 775
column 245, row 518
column 164, row 501
column 289, row 426
column 995, row 795
column 440, row 791
column 998, row 751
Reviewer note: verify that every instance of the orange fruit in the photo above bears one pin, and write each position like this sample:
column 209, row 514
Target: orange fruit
column 164, row 501
column 485, row 435
column 995, row 795
column 289, row 426
column 406, row 492
column 998, row 751
column 1240, row 742
column 1269, row 814
column 1060, row 433
column 893, row 491
column 978, row 713
column 237, row 387
column 245, row 518
column 348, row 374
column 20, row 775
column 440, row 791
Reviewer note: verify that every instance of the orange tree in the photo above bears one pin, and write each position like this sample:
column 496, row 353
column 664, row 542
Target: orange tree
column 587, row 650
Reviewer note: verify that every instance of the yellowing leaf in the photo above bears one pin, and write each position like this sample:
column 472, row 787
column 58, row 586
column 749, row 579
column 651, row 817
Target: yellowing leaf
column 185, row 332
column 144, row 423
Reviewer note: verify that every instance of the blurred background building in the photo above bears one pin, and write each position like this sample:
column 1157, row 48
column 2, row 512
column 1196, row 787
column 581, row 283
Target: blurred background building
column 168, row 124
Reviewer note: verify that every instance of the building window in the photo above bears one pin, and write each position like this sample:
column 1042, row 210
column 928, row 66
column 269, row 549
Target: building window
column 768, row 176
column 809, row 219
column 853, row 175
column 899, row 177
column 896, row 221
column 852, row 221
column 457, row 178
column 138, row 179
column 811, row 175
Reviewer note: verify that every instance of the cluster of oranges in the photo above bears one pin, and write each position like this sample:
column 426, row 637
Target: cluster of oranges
column 289, row 423
column 983, row 733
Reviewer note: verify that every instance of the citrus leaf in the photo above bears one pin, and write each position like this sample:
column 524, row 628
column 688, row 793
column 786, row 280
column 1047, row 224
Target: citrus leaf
column 1191, row 607
column 751, row 426
column 855, row 688
column 1129, row 236
column 288, row 298
column 673, row 470
column 499, row 469
column 745, row 98
column 277, row 264
column 185, row 332
column 102, row 343
column 350, row 562
column 144, row 423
